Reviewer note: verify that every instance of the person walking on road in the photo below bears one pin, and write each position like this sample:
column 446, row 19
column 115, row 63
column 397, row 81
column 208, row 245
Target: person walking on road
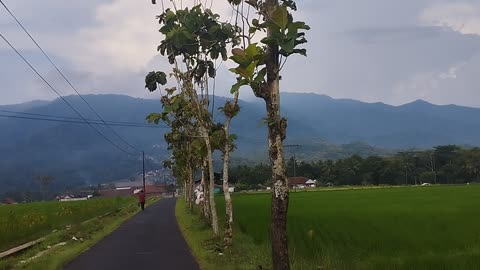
column 141, row 199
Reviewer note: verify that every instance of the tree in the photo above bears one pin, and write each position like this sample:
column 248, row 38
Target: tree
column 230, row 110
column 193, row 39
column 259, row 66
column 471, row 161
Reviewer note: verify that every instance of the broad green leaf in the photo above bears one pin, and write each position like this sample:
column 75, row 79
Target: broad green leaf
column 287, row 45
column 261, row 75
column 161, row 77
column 238, row 52
column 251, row 50
column 151, row 81
column 237, row 86
column 211, row 70
column 280, row 17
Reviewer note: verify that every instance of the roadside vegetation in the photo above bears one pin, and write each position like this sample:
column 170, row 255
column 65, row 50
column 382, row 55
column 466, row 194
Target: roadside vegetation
column 259, row 38
column 72, row 238
column 208, row 251
column 22, row 223
column 432, row 227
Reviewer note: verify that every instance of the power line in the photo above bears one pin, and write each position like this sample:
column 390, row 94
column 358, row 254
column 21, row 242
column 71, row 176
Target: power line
column 93, row 121
column 65, row 78
column 56, row 92
column 73, row 121
column 66, row 119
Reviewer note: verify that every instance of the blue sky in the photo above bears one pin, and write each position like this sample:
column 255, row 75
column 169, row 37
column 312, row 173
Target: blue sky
column 372, row 50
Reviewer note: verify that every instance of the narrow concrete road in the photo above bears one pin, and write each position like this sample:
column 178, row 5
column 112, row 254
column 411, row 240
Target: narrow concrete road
column 149, row 240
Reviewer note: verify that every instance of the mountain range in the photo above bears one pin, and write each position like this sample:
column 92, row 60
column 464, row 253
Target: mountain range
column 75, row 154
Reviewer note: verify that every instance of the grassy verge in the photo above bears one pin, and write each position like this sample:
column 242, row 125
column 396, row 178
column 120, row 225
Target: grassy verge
column 87, row 234
column 22, row 223
column 244, row 254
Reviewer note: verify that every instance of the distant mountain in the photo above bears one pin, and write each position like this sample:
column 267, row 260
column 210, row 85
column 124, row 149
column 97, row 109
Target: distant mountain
column 324, row 127
column 417, row 124
column 25, row 106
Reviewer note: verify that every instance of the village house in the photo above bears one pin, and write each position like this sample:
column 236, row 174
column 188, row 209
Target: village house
column 8, row 201
column 297, row 182
column 129, row 188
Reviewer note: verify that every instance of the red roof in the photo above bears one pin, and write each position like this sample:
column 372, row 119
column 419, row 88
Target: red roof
column 297, row 181
column 9, row 201
column 116, row 192
column 155, row 189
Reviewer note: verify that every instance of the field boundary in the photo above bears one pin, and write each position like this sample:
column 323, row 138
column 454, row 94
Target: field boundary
column 22, row 247
column 30, row 244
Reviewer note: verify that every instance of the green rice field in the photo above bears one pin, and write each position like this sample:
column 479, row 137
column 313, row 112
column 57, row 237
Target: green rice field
column 21, row 223
column 435, row 227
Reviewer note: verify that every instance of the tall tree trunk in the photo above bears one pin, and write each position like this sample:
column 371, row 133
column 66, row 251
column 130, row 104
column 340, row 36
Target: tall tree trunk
column 201, row 113
column 228, row 199
column 211, row 191
column 185, row 190
column 276, row 134
column 277, row 126
column 205, row 188
column 191, row 195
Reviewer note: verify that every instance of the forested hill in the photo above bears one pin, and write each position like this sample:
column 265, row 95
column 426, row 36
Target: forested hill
column 416, row 124
column 324, row 127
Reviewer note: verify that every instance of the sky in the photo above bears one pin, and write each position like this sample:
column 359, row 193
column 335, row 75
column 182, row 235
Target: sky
column 371, row 50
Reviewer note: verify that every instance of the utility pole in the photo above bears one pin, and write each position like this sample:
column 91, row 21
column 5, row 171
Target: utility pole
column 143, row 165
column 294, row 146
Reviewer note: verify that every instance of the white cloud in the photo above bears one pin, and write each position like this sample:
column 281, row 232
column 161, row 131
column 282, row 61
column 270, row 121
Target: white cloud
column 372, row 50
column 463, row 17
column 123, row 38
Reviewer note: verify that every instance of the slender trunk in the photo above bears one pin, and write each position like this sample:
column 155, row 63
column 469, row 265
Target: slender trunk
column 206, row 198
column 191, row 187
column 213, row 209
column 185, row 190
column 228, row 199
column 201, row 113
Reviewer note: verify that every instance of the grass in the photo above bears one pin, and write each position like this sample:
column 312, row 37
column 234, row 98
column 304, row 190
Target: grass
column 398, row 228
column 243, row 255
column 87, row 233
column 21, row 223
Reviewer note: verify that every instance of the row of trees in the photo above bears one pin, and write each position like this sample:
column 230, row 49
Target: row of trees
column 448, row 164
column 194, row 41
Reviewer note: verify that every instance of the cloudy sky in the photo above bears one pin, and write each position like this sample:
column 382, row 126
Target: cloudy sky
column 371, row 50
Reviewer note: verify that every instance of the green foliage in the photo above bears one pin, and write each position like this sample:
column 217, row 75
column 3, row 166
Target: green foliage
column 153, row 78
column 195, row 32
column 451, row 165
column 193, row 38
column 284, row 33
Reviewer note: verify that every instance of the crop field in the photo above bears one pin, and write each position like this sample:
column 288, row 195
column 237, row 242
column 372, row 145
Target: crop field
column 435, row 227
column 25, row 222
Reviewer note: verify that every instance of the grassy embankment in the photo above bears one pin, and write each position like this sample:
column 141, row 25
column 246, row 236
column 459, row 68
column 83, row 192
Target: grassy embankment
column 397, row 228
column 87, row 221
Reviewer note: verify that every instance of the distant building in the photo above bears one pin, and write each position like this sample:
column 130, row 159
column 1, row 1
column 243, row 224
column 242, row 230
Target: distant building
column 297, row 182
column 311, row 183
column 124, row 191
column 9, row 201
column 155, row 189
column 118, row 192
column 70, row 197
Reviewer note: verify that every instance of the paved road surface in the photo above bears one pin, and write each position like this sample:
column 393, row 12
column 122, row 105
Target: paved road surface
column 149, row 240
